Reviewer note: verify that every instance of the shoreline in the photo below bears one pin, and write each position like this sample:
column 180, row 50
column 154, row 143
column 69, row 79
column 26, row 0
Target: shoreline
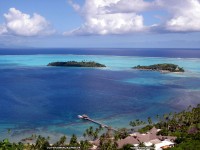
column 161, row 71
column 20, row 134
column 54, row 136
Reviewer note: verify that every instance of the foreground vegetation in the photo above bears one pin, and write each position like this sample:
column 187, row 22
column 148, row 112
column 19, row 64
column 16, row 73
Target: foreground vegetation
column 184, row 125
column 76, row 64
column 161, row 67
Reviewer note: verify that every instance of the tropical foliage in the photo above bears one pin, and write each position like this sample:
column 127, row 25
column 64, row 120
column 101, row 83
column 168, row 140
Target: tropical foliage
column 76, row 64
column 160, row 67
column 184, row 125
column 91, row 133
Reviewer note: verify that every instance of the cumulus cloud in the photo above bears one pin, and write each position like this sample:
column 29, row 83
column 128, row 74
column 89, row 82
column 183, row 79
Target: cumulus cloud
column 125, row 6
column 125, row 16
column 22, row 24
column 185, row 16
column 101, row 19
column 111, row 24
column 2, row 29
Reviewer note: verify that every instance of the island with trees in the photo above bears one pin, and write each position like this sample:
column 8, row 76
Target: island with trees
column 76, row 64
column 161, row 67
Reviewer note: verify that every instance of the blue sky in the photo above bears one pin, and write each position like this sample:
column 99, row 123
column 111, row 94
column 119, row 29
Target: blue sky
column 100, row 23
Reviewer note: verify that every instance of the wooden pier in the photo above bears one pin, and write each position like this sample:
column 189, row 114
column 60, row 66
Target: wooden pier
column 85, row 117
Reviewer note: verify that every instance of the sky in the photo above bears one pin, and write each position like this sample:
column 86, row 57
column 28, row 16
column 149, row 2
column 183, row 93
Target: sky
column 100, row 23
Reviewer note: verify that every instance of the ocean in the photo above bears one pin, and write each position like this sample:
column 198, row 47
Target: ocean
column 38, row 99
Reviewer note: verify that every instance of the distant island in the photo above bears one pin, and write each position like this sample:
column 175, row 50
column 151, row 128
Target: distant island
column 77, row 64
column 161, row 67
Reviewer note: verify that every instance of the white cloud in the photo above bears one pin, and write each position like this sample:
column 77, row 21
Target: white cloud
column 74, row 5
column 2, row 29
column 111, row 24
column 100, row 20
column 184, row 15
column 122, row 16
column 129, row 6
column 22, row 24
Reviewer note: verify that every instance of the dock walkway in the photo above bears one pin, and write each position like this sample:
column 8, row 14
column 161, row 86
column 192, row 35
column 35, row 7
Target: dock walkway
column 85, row 117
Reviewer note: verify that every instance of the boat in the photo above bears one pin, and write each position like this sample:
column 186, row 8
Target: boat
column 79, row 116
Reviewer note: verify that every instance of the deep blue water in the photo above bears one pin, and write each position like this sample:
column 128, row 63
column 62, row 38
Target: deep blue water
column 46, row 94
column 45, row 100
column 150, row 52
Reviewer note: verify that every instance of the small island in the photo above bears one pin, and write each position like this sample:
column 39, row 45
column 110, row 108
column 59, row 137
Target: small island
column 161, row 67
column 76, row 64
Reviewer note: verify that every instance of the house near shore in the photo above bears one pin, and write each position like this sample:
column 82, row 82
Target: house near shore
column 149, row 139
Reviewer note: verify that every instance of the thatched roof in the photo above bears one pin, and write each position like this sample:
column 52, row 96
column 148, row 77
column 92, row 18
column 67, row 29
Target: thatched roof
column 146, row 137
column 153, row 130
column 137, row 138
column 155, row 141
column 127, row 140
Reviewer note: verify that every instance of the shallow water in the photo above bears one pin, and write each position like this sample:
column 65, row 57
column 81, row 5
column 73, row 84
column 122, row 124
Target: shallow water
column 46, row 100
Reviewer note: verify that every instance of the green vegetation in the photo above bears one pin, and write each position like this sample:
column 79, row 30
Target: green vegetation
column 184, row 125
column 76, row 64
column 136, row 122
column 42, row 143
column 106, row 142
column 6, row 145
column 187, row 145
column 121, row 134
column 85, row 145
column 92, row 134
column 145, row 129
column 61, row 142
column 161, row 67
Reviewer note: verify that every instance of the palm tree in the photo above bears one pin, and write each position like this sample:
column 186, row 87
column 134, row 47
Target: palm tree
column 41, row 143
column 106, row 143
column 73, row 141
column 91, row 134
column 62, row 141
column 85, row 145
column 136, row 122
column 149, row 120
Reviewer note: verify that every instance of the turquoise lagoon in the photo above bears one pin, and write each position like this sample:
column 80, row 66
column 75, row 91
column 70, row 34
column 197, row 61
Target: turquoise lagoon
column 36, row 99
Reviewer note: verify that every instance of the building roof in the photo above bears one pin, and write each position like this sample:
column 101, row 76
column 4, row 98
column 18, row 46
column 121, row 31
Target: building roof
column 155, row 141
column 153, row 130
column 137, row 138
column 149, row 137
column 127, row 140
column 146, row 137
